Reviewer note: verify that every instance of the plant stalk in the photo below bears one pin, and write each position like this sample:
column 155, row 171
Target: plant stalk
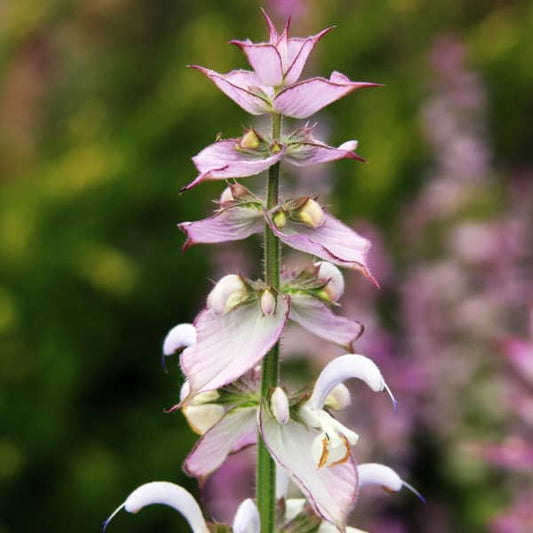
column 266, row 468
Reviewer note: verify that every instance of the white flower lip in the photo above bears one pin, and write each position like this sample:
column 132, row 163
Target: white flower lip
column 165, row 493
column 385, row 477
column 345, row 367
column 180, row 336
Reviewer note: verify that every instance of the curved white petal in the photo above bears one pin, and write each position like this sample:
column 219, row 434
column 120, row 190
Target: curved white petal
column 385, row 477
column 165, row 493
column 342, row 368
column 381, row 475
column 221, row 440
column 331, row 491
column 247, row 518
column 180, row 336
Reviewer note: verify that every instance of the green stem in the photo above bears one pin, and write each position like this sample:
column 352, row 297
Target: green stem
column 266, row 468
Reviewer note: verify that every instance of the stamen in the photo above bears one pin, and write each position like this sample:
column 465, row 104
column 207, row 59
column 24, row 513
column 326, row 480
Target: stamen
column 325, row 452
column 415, row 492
column 106, row 523
column 393, row 399
column 346, row 457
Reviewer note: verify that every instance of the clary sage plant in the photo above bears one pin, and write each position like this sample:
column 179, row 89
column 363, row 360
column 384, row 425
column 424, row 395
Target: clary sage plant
column 233, row 395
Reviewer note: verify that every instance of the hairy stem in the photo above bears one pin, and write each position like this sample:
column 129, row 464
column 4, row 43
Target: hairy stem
column 266, row 468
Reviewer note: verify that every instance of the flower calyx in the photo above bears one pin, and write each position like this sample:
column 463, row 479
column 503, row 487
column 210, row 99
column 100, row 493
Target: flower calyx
column 236, row 194
column 322, row 280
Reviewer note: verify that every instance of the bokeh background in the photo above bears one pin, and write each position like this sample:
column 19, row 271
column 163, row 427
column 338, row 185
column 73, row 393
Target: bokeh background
column 98, row 121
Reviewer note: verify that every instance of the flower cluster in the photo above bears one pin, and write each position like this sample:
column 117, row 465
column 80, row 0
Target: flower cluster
column 228, row 398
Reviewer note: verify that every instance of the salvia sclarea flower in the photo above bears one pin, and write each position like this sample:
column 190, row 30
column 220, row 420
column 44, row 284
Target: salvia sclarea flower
column 243, row 319
column 228, row 398
column 246, row 519
column 306, row 441
column 300, row 223
column 272, row 86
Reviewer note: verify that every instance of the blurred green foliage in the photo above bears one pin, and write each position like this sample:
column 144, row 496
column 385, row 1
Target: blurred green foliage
column 98, row 122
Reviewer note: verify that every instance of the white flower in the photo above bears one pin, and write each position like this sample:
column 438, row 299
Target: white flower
column 329, row 274
column 162, row 492
column 180, row 336
column 332, row 445
column 227, row 294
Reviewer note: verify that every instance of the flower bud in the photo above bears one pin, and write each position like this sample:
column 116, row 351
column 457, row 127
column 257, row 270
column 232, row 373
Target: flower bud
column 311, row 214
column 339, row 398
column 280, row 219
column 268, row 302
column 279, row 405
column 233, row 193
column 333, row 279
column 227, row 294
column 250, row 140
column 226, row 197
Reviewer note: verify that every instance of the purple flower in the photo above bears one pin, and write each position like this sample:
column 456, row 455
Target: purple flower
column 281, row 60
column 301, row 224
column 253, row 153
column 273, row 87
column 299, row 100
